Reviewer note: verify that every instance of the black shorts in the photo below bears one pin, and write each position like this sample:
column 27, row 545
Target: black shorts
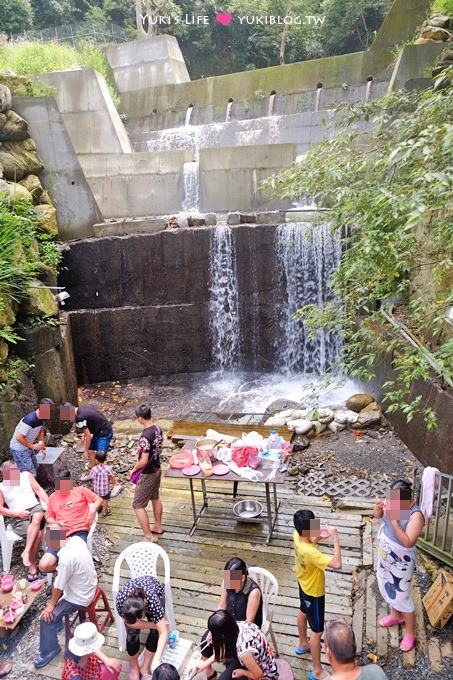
column 313, row 608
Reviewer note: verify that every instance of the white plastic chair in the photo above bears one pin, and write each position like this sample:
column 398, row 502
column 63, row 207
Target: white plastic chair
column 141, row 558
column 269, row 590
column 7, row 538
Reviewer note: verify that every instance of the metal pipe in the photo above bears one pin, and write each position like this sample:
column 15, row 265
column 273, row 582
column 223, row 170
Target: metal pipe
column 405, row 333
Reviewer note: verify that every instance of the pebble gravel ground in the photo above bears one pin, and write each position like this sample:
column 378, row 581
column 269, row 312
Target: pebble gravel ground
column 338, row 456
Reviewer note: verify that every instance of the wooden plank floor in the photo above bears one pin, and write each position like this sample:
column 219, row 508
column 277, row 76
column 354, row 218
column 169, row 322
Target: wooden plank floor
column 197, row 563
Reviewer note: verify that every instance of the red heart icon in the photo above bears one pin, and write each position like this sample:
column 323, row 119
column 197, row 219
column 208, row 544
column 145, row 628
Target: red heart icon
column 224, row 19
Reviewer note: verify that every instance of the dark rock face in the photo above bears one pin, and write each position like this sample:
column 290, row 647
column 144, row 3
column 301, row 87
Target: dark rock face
column 140, row 304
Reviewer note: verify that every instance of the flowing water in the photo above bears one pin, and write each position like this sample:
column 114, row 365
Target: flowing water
column 224, row 299
column 191, row 178
column 307, row 257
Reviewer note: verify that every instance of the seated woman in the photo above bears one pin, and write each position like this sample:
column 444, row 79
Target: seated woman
column 242, row 646
column 139, row 598
column 84, row 659
column 241, row 597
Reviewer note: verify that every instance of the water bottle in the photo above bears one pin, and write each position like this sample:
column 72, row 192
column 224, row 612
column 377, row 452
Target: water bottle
column 274, row 443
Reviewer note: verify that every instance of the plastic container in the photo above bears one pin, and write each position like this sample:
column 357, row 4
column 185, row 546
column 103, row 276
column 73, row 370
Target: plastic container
column 274, row 443
column 205, row 462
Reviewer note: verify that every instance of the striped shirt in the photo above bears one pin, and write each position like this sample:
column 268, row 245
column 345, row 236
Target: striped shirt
column 30, row 426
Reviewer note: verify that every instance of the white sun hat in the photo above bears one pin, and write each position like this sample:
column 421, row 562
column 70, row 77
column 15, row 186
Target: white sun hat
column 86, row 639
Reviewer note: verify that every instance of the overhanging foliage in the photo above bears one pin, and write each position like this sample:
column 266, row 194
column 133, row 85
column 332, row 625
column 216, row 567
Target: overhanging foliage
column 389, row 190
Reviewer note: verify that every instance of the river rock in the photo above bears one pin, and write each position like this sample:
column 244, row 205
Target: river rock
column 12, row 127
column 434, row 33
column 3, row 187
column 336, row 427
column 318, row 427
column 40, row 301
column 300, row 426
column 20, row 159
column 299, row 442
column 281, row 405
column 369, row 416
column 17, row 191
column 46, row 216
column 439, row 20
column 7, row 311
column 357, row 402
column 19, row 86
column 325, row 416
column 275, row 421
column 34, row 186
column 345, row 417
column 5, row 98
column 3, row 350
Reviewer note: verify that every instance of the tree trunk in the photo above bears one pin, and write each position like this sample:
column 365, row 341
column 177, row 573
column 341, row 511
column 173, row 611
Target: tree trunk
column 285, row 34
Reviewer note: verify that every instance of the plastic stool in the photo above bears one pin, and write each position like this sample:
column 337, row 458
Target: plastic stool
column 285, row 671
column 92, row 613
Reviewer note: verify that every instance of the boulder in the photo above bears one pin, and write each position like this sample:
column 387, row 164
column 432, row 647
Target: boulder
column 434, row 33
column 336, row 427
column 7, row 311
column 281, row 405
column 357, row 402
column 5, row 98
column 12, row 127
column 40, row 301
column 370, row 416
column 17, row 191
column 20, row 159
column 300, row 426
column 325, row 416
column 345, row 417
column 425, row 41
column 34, row 186
column 3, row 351
column 275, row 421
column 3, row 187
column 319, row 427
column 299, row 442
column 19, row 86
column 439, row 20
column 46, row 216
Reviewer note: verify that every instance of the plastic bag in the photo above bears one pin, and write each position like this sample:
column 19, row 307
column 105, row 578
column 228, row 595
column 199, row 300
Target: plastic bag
column 241, row 454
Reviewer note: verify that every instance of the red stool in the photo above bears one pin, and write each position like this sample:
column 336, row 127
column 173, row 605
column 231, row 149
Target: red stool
column 91, row 612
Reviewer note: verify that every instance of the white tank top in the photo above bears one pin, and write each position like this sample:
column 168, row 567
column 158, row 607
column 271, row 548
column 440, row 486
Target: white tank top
column 20, row 497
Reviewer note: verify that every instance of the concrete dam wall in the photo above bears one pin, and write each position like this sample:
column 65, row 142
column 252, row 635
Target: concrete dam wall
column 189, row 300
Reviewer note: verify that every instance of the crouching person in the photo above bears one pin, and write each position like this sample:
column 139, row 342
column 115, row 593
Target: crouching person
column 73, row 588
column 84, row 658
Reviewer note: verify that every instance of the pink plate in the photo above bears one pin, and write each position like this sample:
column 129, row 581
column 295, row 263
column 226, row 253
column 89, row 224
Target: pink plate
column 191, row 470
column 36, row 585
column 9, row 617
column 15, row 604
column 7, row 586
column 220, row 469
column 324, row 533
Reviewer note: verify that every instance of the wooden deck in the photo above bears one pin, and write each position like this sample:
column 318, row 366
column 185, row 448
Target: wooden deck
column 197, row 563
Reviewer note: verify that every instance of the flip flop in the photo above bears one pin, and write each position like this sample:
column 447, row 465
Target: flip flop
column 407, row 643
column 300, row 651
column 32, row 577
column 160, row 533
column 389, row 621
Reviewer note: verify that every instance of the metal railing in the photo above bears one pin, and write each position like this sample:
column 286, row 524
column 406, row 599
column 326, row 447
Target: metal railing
column 437, row 538
column 85, row 31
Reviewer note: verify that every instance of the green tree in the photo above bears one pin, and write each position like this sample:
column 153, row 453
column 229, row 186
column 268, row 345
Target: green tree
column 15, row 16
column 390, row 188
column 51, row 13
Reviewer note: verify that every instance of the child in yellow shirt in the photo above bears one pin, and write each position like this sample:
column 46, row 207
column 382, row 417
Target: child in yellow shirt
column 310, row 566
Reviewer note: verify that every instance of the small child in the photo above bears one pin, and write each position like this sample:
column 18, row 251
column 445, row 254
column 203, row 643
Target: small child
column 310, row 566
column 100, row 475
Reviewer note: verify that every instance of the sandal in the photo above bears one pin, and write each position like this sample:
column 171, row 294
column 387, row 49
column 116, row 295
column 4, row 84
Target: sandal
column 32, row 576
column 389, row 621
column 107, row 513
column 407, row 643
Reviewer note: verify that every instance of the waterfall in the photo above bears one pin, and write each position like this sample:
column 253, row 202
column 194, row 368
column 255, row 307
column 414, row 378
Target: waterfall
column 224, row 300
column 306, row 259
column 191, row 179
column 188, row 115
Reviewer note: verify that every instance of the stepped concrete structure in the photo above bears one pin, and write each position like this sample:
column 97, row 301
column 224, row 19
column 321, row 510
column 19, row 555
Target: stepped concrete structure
column 229, row 132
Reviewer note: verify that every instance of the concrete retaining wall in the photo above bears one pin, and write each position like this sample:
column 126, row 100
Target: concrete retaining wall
column 62, row 176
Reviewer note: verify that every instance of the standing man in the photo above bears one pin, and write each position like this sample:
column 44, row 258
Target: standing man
column 339, row 641
column 148, row 484
column 28, row 437
column 73, row 588
column 20, row 492
column 97, row 430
